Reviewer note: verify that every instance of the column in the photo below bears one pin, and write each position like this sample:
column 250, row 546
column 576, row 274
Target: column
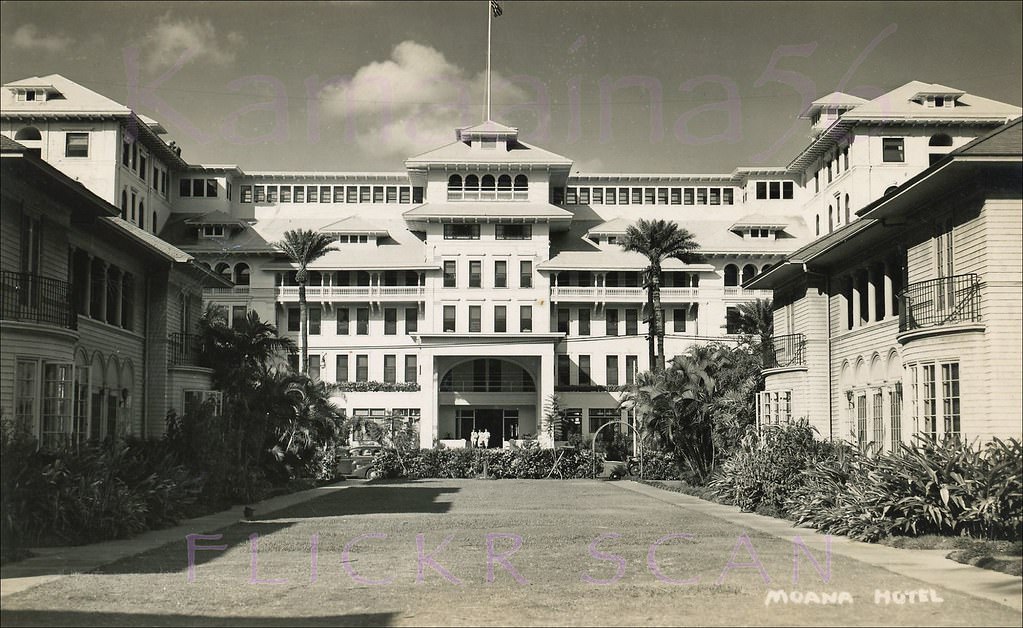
column 889, row 290
column 87, row 288
column 429, row 418
column 871, row 294
column 101, row 315
column 118, row 290
column 855, row 299
column 546, row 379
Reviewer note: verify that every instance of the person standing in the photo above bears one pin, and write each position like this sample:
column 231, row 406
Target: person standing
column 474, row 439
column 485, row 437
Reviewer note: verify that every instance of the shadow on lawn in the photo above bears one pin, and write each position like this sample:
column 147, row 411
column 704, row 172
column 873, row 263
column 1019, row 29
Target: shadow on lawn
column 357, row 500
column 84, row 618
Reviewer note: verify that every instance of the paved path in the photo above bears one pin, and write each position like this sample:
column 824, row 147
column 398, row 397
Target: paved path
column 444, row 552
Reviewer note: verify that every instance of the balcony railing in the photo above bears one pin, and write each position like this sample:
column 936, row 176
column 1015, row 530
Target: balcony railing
column 184, row 349
column 488, row 195
column 736, row 291
column 939, row 302
column 617, row 293
column 785, row 351
column 233, row 290
column 35, row 299
column 328, row 293
column 478, row 384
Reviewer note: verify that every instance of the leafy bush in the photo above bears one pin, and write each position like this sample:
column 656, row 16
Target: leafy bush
column 659, row 465
column 500, row 463
column 767, row 468
column 374, row 386
column 948, row 488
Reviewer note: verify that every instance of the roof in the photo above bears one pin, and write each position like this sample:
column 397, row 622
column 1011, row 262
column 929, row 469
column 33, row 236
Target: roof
column 214, row 218
column 354, row 224
column 482, row 211
column 1006, row 141
column 488, row 128
column 898, row 105
column 760, row 221
column 517, row 152
column 8, row 145
column 615, row 226
column 834, row 99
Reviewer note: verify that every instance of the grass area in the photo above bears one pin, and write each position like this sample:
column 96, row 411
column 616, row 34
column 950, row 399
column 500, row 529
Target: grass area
column 556, row 577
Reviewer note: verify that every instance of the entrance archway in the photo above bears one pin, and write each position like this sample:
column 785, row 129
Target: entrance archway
column 494, row 395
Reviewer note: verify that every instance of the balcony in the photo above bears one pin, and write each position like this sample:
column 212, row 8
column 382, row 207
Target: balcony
column 488, row 195
column 226, row 292
column 785, row 352
column 184, row 349
column 631, row 294
column 352, row 293
column 31, row 298
column 737, row 292
column 940, row 302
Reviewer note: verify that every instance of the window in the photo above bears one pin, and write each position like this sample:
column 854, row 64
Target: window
column 877, row 415
column 343, row 321
column 315, row 319
column 450, row 273
column 584, row 196
column 294, row 319
column 311, row 195
column 185, row 188
column 732, row 320
column 475, row 318
column 378, row 194
column 192, row 400
column 715, row 196
column 404, row 195
column 563, row 316
column 637, row 196
column 526, row 319
column 601, row 416
column 571, row 197
column 475, row 273
column 584, row 371
column 786, row 189
column 950, row 398
column 514, row 232
column 361, row 368
column 930, row 403
column 246, row 194
column 662, row 196
column 679, row 318
column 611, row 322
column 631, row 367
column 892, row 149
column 76, row 145
column 260, row 194
column 525, row 274
column 411, row 370
column 411, row 320
column 676, row 196
column 623, row 196
column 211, row 188
column 631, row 322
column 761, row 190
column 688, row 196
column 299, row 194
column 584, row 322
column 390, row 321
column 649, row 195
column 500, row 319
column 609, row 196
column 390, row 368
column 341, row 374
column 313, row 367
column 775, row 190
column 564, row 370
column 701, row 196
column 238, row 314
column 461, row 232
column 500, row 274
column 611, row 377
column 362, row 321
column 728, row 196
column 449, row 318
column 895, row 403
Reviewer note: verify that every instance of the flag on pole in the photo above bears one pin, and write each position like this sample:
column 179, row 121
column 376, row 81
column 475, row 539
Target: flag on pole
column 495, row 8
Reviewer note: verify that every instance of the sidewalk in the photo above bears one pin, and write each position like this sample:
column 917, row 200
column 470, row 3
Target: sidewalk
column 929, row 566
column 53, row 563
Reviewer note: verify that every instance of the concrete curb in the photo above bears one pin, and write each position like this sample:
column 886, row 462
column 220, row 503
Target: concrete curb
column 52, row 563
column 929, row 566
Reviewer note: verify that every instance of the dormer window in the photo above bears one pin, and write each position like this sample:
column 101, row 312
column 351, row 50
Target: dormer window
column 352, row 239
column 760, row 233
column 211, row 231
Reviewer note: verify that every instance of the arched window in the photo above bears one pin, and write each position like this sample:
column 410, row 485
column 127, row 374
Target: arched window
column 731, row 275
column 124, row 204
column 847, row 212
column 142, row 215
column 504, row 182
column 521, row 182
column 455, row 182
column 472, row 182
column 891, row 190
column 831, row 219
column 749, row 271
column 766, row 268
column 941, row 139
column 488, row 182
column 28, row 133
column 241, row 274
column 224, row 270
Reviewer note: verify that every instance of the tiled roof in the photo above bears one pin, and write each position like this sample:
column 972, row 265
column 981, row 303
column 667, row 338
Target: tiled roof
column 8, row 145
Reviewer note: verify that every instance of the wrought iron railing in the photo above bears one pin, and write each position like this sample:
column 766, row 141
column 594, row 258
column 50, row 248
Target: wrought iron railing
column 938, row 302
column 36, row 299
column 783, row 351
column 184, row 349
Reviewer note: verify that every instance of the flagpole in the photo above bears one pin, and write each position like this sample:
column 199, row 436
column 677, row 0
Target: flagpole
column 490, row 18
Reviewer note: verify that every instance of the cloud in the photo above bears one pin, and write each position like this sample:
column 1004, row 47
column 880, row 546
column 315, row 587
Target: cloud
column 28, row 37
column 171, row 38
column 411, row 102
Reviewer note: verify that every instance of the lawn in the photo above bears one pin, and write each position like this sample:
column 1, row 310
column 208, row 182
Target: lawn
column 555, row 577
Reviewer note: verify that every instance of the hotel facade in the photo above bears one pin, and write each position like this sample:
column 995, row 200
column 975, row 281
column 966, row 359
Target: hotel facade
column 487, row 276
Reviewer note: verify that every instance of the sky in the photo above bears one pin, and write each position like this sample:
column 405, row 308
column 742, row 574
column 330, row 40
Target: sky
column 653, row 87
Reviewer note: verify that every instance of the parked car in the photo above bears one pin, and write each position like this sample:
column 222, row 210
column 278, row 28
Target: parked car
column 357, row 462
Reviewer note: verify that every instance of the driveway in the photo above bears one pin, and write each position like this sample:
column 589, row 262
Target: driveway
column 503, row 552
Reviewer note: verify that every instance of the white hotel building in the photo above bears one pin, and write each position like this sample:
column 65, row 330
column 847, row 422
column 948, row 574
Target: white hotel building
column 486, row 276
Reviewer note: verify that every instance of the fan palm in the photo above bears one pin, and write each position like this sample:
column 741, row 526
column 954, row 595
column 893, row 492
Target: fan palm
column 304, row 247
column 659, row 241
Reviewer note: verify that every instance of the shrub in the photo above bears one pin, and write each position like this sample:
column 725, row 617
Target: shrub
column 767, row 468
column 948, row 488
column 530, row 463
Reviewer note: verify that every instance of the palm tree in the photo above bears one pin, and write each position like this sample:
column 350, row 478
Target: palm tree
column 659, row 240
column 304, row 247
column 756, row 318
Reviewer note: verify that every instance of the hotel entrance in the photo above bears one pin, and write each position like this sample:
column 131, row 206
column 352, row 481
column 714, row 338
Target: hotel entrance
column 502, row 423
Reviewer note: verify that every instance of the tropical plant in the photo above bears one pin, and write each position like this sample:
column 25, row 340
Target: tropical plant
column 659, row 241
column 303, row 247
